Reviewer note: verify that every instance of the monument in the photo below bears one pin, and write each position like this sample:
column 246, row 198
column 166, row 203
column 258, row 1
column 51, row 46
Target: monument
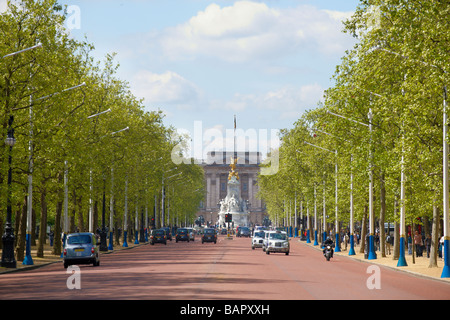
column 233, row 203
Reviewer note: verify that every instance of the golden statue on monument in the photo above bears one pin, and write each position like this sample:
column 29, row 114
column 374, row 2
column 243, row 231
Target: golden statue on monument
column 233, row 171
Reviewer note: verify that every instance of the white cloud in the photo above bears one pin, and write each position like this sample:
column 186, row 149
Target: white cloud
column 168, row 87
column 251, row 30
column 3, row 6
column 288, row 101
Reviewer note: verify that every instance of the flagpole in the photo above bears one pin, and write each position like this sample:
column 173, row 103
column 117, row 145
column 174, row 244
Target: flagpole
column 234, row 139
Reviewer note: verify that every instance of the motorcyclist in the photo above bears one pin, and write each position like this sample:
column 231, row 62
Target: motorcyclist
column 329, row 242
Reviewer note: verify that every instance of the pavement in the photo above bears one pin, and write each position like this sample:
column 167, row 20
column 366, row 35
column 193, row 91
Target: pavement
column 419, row 266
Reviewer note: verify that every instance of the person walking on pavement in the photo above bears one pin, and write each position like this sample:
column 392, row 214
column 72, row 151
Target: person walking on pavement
column 418, row 243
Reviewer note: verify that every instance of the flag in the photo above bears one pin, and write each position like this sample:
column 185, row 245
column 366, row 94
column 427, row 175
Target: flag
column 235, row 122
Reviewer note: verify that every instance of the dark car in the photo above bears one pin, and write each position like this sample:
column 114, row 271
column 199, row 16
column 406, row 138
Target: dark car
column 243, row 232
column 209, row 235
column 182, row 235
column 81, row 248
column 168, row 233
column 158, row 236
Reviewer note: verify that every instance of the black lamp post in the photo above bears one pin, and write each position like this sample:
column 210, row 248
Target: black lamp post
column 8, row 259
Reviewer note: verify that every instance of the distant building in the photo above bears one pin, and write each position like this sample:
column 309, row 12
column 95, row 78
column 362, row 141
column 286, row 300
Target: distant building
column 216, row 167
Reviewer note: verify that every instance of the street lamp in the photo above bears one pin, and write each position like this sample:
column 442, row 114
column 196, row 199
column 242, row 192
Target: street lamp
column 336, row 199
column 371, row 253
column 28, row 260
column 351, row 251
column 8, row 259
column 445, row 177
column 39, row 45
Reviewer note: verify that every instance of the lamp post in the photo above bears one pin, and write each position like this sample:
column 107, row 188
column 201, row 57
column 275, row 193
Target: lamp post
column 446, row 269
column 337, row 249
column 39, row 45
column 351, row 251
column 125, row 216
column 28, row 259
column 91, row 209
column 10, row 140
column 111, row 212
column 445, row 177
column 8, row 259
column 371, row 254
column 103, row 246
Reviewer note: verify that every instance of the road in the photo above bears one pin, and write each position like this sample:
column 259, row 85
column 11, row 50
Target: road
column 228, row 270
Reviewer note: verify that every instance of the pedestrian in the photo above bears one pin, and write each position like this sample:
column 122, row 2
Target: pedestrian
column 418, row 243
column 377, row 241
column 51, row 237
column 388, row 244
column 409, row 244
column 345, row 241
column 441, row 247
column 428, row 244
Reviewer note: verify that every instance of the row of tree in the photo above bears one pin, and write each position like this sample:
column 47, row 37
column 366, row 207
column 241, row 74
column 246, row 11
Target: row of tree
column 95, row 138
column 398, row 72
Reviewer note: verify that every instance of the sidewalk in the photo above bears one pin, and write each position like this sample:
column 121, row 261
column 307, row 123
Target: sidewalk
column 50, row 258
column 419, row 268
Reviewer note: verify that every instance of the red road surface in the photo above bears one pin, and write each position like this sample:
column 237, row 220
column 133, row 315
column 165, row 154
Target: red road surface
column 227, row 270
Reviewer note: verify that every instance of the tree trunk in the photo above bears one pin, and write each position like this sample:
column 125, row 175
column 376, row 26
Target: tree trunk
column 43, row 225
column 81, row 224
column 21, row 232
column 396, row 251
column 57, row 232
column 56, row 250
column 382, row 215
column 363, row 231
column 33, row 227
column 434, row 238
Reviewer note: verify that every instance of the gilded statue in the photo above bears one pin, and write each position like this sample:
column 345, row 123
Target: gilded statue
column 233, row 171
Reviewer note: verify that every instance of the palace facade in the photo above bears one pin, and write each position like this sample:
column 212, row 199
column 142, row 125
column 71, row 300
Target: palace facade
column 217, row 168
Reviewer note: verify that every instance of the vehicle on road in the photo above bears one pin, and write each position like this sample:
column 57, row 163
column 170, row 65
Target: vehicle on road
column 182, row 235
column 243, row 232
column 266, row 239
column 191, row 233
column 158, row 236
column 168, row 233
column 278, row 241
column 328, row 245
column 257, row 240
column 81, row 248
column 209, row 235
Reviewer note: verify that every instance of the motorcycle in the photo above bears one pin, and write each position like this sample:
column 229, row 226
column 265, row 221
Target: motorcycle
column 328, row 252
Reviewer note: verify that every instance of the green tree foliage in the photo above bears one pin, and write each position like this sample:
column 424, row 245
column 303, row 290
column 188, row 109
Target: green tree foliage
column 398, row 70
column 69, row 130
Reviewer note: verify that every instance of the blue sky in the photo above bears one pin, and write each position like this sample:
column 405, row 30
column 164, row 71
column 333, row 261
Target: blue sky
column 202, row 62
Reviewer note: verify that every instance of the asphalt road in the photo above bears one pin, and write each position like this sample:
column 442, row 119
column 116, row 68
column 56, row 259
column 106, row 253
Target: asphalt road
column 228, row 270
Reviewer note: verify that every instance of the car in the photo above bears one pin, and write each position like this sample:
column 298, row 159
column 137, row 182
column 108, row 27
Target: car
column 168, row 233
column 259, row 228
column 158, row 236
column 277, row 241
column 191, row 232
column 257, row 240
column 81, row 248
column 209, row 235
column 243, row 232
column 182, row 235
column 223, row 231
column 265, row 239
